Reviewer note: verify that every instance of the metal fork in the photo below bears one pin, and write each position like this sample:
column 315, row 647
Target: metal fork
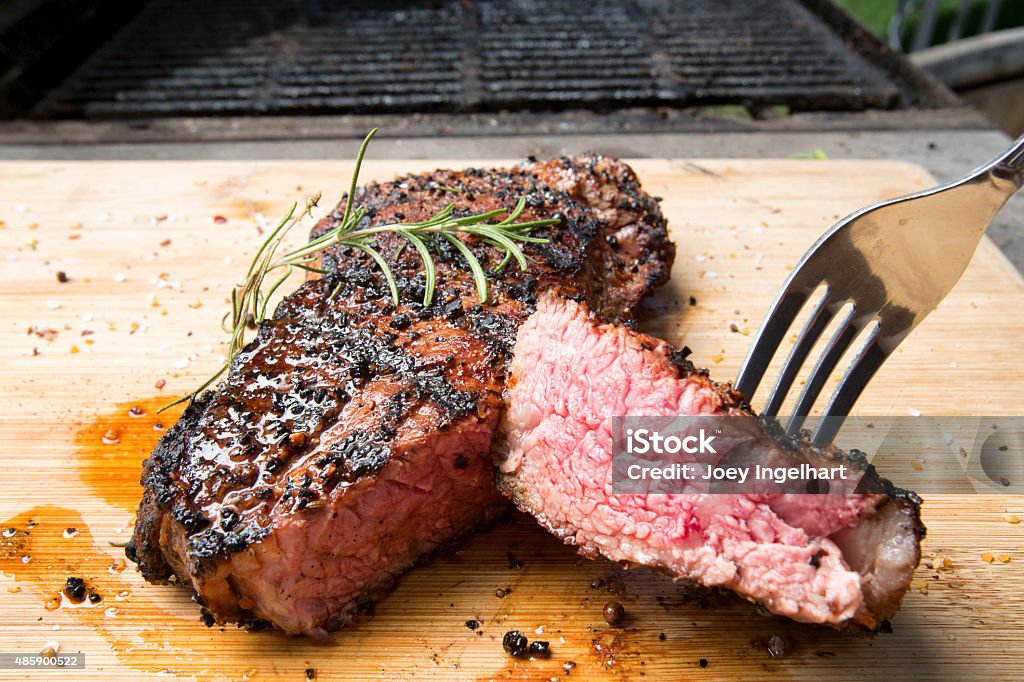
column 894, row 262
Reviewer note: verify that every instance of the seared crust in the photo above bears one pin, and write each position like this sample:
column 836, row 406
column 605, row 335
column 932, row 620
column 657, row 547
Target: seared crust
column 612, row 246
column 158, row 493
column 342, row 388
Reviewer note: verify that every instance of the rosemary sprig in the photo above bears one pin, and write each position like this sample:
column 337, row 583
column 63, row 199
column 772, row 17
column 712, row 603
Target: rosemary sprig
column 251, row 298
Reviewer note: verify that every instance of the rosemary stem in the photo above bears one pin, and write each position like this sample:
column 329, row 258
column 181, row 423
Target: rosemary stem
column 252, row 297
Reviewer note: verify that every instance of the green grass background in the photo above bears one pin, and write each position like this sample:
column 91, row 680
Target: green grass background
column 875, row 14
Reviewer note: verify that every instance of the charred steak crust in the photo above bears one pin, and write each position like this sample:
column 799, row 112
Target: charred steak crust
column 353, row 436
column 554, row 463
column 159, row 493
column 612, row 246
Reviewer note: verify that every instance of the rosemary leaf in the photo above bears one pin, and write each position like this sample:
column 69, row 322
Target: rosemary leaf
column 511, row 218
column 355, row 176
column 429, row 270
column 270, row 292
column 478, row 271
column 496, row 237
column 383, row 264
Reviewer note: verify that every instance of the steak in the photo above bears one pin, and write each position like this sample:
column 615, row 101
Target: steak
column 353, row 437
column 838, row 558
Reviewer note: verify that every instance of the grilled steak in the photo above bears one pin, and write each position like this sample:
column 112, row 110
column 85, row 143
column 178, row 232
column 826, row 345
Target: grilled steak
column 352, row 437
column 825, row 558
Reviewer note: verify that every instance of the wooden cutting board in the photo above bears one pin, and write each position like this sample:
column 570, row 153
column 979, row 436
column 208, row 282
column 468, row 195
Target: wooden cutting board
column 150, row 250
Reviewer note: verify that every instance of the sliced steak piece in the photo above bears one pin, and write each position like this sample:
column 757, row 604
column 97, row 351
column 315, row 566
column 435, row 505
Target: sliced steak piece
column 353, row 437
column 825, row 558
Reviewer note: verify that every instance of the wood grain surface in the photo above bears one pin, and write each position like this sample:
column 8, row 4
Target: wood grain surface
column 149, row 251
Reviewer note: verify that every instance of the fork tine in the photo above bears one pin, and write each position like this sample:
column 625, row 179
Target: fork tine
column 837, row 345
column 867, row 362
column 814, row 328
column 768, row 339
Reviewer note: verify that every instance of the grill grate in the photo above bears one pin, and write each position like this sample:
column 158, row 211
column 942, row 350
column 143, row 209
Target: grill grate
column 245, row 57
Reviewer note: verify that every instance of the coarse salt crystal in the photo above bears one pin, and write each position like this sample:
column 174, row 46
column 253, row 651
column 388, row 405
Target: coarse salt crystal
column 181, row 364
column 119, row 277
column 913, row 412
column 52, row 304
column 261, row 220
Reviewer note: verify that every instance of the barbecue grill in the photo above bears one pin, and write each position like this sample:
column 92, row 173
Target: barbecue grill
column 250, row 58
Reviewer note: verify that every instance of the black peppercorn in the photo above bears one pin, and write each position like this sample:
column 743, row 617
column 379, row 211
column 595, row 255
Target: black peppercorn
column 515, row 643
column 540, row 649
column 74, row 589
